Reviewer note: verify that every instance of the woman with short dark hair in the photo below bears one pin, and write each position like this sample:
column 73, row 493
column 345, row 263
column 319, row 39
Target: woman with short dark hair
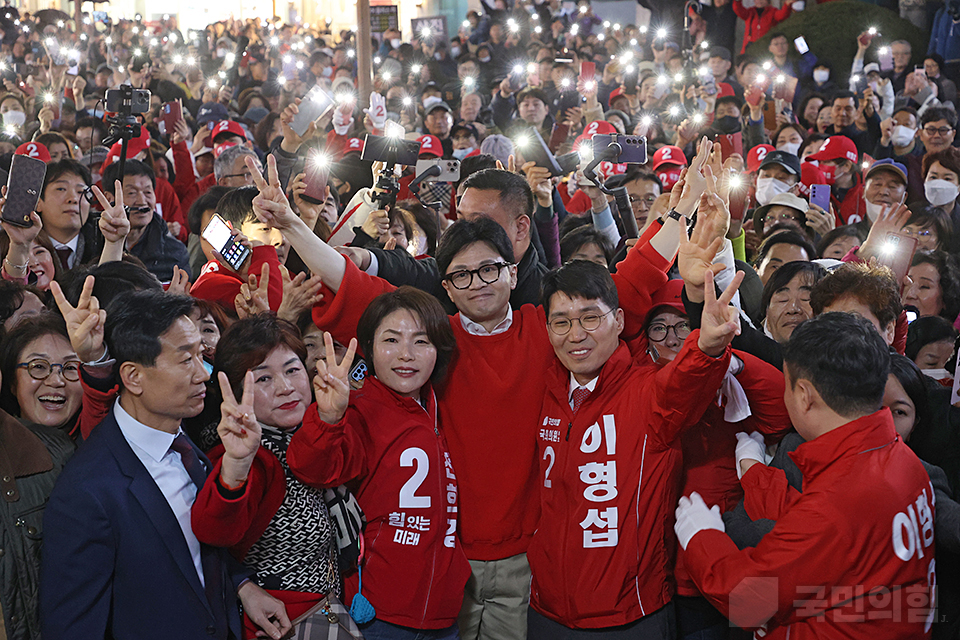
column 386, row 438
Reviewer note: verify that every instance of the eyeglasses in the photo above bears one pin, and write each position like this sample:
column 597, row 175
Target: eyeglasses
column 777, row 217
column 88, row 195
column 648, row 200
column 932, row 131
column 589, row 322
column 246, row 175
column 922, row 233
column 658, row 332
column 40, row 369
column 488, row 274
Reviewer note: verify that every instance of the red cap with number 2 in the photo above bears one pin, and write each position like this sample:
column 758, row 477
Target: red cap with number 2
column 36, row 150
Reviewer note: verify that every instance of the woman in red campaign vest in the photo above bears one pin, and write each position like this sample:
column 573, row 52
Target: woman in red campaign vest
column 385, row 442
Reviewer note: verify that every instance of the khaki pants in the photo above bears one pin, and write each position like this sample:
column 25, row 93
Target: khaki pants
column 496, row 599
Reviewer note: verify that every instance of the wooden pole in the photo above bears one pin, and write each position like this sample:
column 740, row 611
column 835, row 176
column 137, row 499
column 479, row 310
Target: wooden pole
column 364, row 53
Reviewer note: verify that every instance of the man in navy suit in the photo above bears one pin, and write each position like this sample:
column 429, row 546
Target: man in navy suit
column 120, row 560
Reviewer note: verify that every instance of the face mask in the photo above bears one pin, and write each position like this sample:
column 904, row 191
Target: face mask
column 485, row 60
column 437, row 56
column 767, row 188
column 327, row 72
column 790, row 147
column 940, row 192
column 460, row 154
column 221, row 52
column 874, row 210
column 669, row 179
column 395, row 42
column 829, row 173
column 727, row 124
column 821, row 75
column 16, row 118
column 455, row 51
column 902, row 135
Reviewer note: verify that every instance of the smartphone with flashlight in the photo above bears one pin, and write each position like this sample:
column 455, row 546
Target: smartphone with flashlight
column 561, row 131
column 170, row 114
column 317, row 173
column 218, row 234
column 313, row 105
column 897, row 254
column 801, row 45
column 630, row 82
column 588, row 71
column 820, row 196
column 885, row 58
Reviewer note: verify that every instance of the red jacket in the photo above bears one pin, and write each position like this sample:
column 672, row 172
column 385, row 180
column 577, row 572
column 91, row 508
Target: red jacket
column 609, row 483
column 414, row 569
column 187, row 186
column 168, row 206
column 850, row 557
column 758, row 21
column 220, row 284
column 709, row 447
column 490, row 400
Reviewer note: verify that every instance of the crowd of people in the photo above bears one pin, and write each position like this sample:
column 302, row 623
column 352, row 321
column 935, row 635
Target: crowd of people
column 263, row 374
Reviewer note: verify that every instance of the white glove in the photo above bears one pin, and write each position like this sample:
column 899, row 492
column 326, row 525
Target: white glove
column 342, row 120
column 693, row 516
column 750, row 447
column 377, row 111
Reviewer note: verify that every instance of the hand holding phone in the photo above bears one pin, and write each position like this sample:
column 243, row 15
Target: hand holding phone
column 24, row 185
column 820, row 196
column 221, row 237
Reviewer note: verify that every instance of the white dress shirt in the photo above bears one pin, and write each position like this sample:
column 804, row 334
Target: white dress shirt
column 152, row 447
column 72, row 245
column 477, row 329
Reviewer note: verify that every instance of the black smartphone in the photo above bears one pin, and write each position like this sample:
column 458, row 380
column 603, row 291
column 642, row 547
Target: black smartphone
column 568, row 100
column 217, row 233
column 535, row 149
column 24, row 185
column 390, row 150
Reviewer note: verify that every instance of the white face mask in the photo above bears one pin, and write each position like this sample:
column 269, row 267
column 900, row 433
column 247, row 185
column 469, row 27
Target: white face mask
column 485, row 59
column 16, row 118
column 902, row 135
column 460, row 154
column 395, row 42
column 940, row 192
column 767, row 188
column 221, row 52
column 790, row 147
column 455, row 52
column 874, row 210
column 821, row 75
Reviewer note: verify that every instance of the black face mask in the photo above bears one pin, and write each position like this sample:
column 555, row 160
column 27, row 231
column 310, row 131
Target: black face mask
column 727, row 124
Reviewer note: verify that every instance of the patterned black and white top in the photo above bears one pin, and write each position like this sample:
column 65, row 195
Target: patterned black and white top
column 298, row 549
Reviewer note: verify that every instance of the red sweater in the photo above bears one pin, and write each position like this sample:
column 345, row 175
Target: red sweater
column 850, row 557
column 414, row 569
column 609, row 480
column 221, row 284
column 490, row 403
column 709, row 447
column 759, row 21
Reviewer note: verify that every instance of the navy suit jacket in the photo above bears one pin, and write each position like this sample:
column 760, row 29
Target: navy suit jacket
column 115, row 563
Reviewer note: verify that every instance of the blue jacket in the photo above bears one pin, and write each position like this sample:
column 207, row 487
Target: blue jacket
column 945, row 37
column 115, row 563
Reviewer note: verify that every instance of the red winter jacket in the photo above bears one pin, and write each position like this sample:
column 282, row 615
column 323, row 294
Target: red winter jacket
column 221, row 284
column 850, row 557
column 759, row 21
column 492, row 432
column 168, row 206
column 186, row 184
column 610, row 480
column 414, row 569
column 709, row 447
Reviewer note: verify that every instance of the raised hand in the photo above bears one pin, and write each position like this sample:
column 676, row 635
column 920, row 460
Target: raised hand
column 271, row 206
column 377, row 112
column 331, row 385
column 309, row 212
column 239, row 431
column 697, row 253
column 84, row 322
column 891, row 220
column 299, row 294
column 20, row 236
column 695, row 179
column 539, row 180
column 720, row 321
column 114, row 223
column 253, row 298
column 822, row 222
column 179, row 283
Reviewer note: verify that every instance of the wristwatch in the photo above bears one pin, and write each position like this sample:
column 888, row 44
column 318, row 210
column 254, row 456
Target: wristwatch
column 676, row 215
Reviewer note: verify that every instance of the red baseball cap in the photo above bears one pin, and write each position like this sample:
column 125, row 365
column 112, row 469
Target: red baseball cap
column 667, row 296
column 836, row 148
column 615, row 93
column 430, row 146
column 354, row 145
column 810, row 174
column 36, row 150
column 135, row 146
column 669, row 155
column 756, row 155
column 228, row 126
column 595, row 127
column 724, row 89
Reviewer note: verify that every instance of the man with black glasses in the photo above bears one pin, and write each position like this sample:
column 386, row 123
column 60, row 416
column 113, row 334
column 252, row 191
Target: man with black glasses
column 938, row 128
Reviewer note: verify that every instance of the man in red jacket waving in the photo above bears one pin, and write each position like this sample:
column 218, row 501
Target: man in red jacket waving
column 610, row 460
column 853, row 555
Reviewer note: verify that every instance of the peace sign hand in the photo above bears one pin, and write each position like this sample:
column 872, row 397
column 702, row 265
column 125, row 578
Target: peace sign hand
column 239, row 431
column 271, row 206
column 331, row 385
column 720, row 321
column 84, row 322
column 253, row 297
column 114, row 223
